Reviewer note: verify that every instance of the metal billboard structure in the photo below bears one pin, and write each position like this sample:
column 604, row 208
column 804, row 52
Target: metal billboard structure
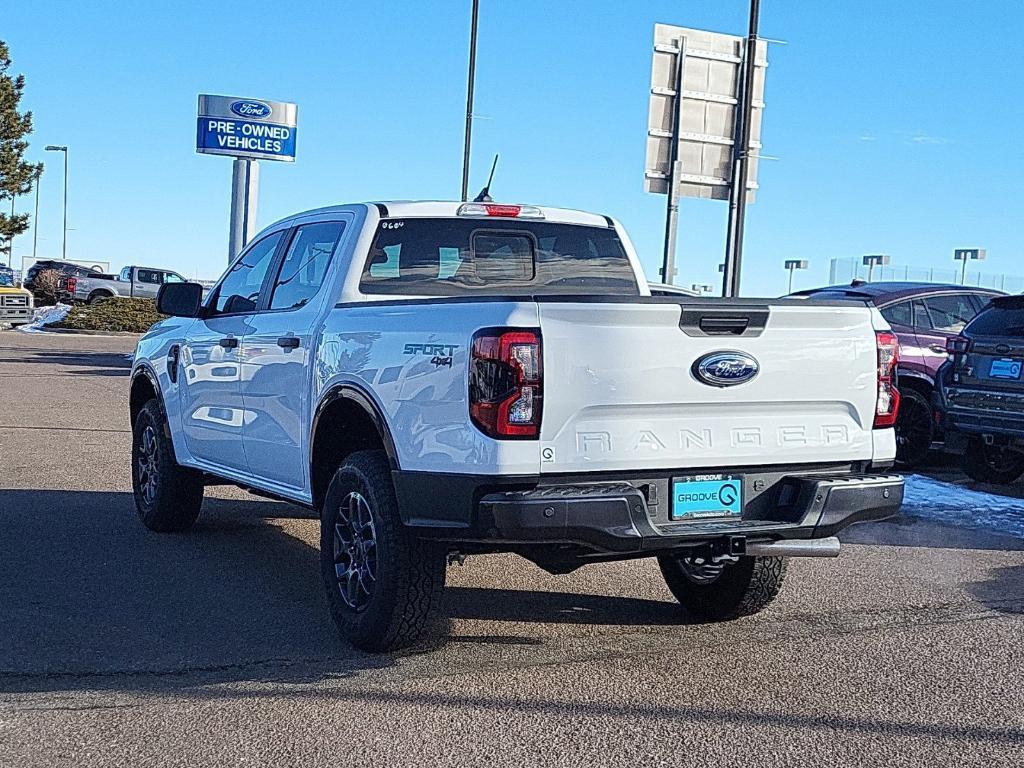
column 248, row 130
column 695, row 114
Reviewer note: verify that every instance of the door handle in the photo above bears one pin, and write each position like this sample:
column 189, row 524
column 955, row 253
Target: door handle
column 229, row 342
column 288, row 342
column 937, row 348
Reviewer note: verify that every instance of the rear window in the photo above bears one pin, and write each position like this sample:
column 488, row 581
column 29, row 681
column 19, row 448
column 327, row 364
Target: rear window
column 451, row 257
column 1003, row 317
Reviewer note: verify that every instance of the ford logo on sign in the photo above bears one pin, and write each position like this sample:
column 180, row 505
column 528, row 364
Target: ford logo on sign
column 251, row 109
column 725, row 369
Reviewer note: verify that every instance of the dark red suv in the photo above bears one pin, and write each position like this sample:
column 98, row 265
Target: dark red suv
column 923, row 315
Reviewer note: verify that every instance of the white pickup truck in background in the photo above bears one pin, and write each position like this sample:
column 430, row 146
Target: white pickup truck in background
column 441, row 379
column 131, row 282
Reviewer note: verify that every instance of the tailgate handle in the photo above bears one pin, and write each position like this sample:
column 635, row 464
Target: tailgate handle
column 715, row 326
column 697, row 320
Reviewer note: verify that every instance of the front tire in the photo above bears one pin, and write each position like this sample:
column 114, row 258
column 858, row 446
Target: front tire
column 992, row 464
column 168, row 496
column 718, row 592
column 383, row 585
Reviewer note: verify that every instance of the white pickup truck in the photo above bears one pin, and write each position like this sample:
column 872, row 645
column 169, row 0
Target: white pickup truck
column 439, row 380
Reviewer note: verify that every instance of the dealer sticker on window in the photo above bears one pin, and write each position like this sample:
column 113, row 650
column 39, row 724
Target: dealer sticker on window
column 702, row 496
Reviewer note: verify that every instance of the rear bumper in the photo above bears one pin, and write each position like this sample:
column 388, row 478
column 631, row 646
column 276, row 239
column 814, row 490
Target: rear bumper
column 631, row 517
column 981, row 412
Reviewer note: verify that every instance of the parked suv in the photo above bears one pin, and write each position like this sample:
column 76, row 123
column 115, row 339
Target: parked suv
column 66, row 268
column 980, row 394
column 924, row 316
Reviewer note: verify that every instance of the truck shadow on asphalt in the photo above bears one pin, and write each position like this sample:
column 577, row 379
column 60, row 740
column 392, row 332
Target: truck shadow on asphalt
column 83, row 363
column 90, row 599
column 1002, row 591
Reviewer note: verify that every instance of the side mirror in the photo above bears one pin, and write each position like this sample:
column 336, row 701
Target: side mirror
column 179, row 299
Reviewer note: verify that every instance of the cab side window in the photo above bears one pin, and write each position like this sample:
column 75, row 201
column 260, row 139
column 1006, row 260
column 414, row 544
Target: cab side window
column 305, row 265
column 171, row 277
column 126, row 275
column 239, row 289
column 150, row 276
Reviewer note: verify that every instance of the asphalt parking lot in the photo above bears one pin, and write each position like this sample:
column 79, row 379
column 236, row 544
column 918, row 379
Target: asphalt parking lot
column 123, row 647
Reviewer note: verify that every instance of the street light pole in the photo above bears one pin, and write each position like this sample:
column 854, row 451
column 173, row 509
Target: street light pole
column 792, row 265
column 470, row 86
column 875, row 260
column 35, row 218
column 64, row 241
column 965, row 254
column 741, row 160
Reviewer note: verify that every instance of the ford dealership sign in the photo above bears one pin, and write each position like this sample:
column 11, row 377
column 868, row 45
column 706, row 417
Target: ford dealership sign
column 253, row 128
column 256, row 110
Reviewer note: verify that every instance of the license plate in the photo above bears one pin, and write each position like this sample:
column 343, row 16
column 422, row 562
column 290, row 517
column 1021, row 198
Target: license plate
column 703, row 496
column 1005, row 369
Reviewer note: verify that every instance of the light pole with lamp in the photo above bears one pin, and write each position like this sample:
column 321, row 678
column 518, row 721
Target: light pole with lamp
column 35, row 218
column 875, row 260
column 64, row 241
column 793, row 265
column 965, row 255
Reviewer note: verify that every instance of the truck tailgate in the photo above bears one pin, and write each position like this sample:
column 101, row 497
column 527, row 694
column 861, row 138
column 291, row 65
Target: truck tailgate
column 622, row 393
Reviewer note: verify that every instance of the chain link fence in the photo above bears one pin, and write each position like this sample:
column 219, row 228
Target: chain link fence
column 846, row 270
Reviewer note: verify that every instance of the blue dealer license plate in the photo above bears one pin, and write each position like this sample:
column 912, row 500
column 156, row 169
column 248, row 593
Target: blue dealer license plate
column 1005, row 369
column 702, row 496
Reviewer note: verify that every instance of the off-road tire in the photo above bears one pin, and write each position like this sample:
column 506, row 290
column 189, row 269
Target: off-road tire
column 915, row 428
column 404, row 608
column 98, row 296
column 172, row 502
column 742, row 589
column 989, row 464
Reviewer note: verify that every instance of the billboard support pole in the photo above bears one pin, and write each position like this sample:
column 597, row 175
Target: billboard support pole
column 668, row 262
column 245, row 191
column 741, row 151
column 470, row 86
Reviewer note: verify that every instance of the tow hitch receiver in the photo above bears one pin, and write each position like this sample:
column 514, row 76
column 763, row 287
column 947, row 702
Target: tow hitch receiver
column 727, row 548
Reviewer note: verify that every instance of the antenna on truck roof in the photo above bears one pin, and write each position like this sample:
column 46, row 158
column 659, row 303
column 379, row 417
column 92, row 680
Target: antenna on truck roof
column 485, row 193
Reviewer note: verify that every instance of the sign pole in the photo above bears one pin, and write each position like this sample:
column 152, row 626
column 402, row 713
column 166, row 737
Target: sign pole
column 245, row 190
column 470, row 86
column 741, row 151
column 668, row 265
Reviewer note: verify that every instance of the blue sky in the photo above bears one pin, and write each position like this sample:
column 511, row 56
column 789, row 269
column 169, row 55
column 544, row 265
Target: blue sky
column 898, row 124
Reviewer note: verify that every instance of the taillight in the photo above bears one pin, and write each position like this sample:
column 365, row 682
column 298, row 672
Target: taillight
column 958, row 345
column 72, row 283
column 506, row 388
column 887, row 405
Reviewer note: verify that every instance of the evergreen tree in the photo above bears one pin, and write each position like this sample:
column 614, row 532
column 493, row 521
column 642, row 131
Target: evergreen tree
column 16, row 175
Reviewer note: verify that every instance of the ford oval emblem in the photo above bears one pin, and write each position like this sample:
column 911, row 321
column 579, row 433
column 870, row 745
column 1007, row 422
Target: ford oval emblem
column 251, row 109
column 725, row 369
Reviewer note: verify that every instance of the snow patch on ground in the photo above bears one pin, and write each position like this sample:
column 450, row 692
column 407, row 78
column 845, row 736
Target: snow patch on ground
column 952, row 504
column 44, row 316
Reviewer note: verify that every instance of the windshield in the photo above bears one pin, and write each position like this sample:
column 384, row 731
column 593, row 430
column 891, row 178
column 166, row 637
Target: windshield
column 449, row 257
